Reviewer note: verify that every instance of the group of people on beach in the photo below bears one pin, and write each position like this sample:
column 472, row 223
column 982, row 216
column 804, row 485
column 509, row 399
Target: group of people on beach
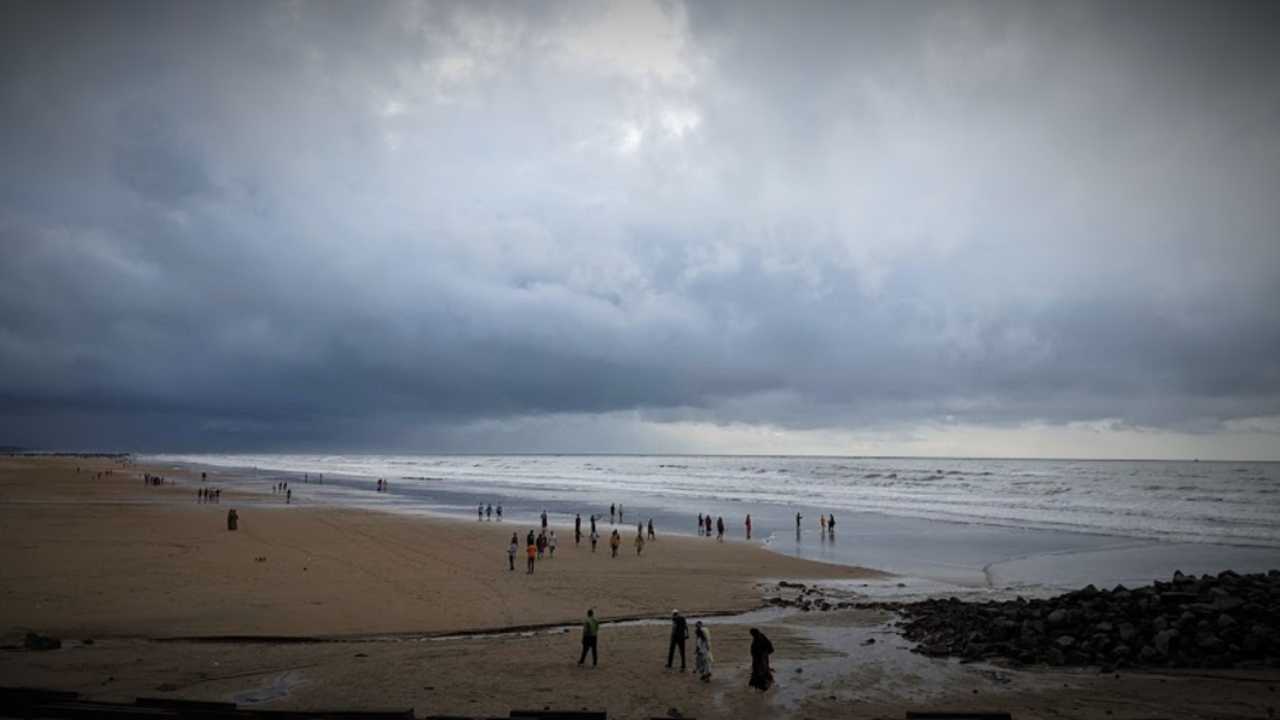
column 705, row 526
column 282, row 488
column 147, row 479
column 761, row 649
column 485, row 512
column 826, row 524
column 209, row 495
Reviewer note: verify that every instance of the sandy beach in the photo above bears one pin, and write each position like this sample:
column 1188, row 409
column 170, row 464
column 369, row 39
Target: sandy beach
column 177, row 606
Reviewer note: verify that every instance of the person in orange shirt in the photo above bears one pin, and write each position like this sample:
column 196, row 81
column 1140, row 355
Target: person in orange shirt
column 532, row 551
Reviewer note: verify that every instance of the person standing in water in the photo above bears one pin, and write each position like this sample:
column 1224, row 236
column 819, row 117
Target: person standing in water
column 761, row 673
column 748, row 526
column 799, row 517
column 699, row 524
column 831, row 525
column 499, row 513
column 590, row 635
column 480, row 512
column 613, row 510
column 702, row 651
column 651, row 535
column 619, row 513
column 679, row 633
column 577, row 529
column 720, row 529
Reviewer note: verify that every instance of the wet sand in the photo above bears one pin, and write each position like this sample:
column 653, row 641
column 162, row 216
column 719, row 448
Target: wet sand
column 132, row 567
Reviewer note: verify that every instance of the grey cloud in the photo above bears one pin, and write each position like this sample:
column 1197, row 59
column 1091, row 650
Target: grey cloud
column 295, row 225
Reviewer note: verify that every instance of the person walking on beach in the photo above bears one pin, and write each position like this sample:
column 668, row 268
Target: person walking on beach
column 511, row 552
column 615, row 541
column 590, row 635
column 499, row 513
column 720, row 529
column 702, row 651
column 822, row 523
column 532, row 552
column 577, row 529
column 831, row 525
column 551, row 544
column 639, row 543
column 233, row 519
column 479, row 512
column 748, row 526
column 613, row 509
column 651, row 535
column 640, row 528
column 595, row 537
column 288, row 496
column 542, row 544
column 761, row 673
column 619, row 513
column 488, row 512
column 679, row 633
column 699, row 524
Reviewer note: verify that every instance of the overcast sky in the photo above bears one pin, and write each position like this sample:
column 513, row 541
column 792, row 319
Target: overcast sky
column 851, row 228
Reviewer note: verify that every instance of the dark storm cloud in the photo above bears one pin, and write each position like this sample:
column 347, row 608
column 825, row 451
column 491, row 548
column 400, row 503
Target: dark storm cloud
column 336, row 225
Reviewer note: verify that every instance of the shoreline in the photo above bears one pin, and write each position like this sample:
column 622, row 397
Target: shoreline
column 166, row 569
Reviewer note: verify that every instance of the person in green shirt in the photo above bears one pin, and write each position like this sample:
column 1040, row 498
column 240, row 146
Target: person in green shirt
column 590, row 631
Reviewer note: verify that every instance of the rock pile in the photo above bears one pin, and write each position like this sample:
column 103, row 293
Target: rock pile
column 1206, row 622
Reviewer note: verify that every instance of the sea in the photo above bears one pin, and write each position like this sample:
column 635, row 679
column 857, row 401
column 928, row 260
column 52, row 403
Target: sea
column 939, row 525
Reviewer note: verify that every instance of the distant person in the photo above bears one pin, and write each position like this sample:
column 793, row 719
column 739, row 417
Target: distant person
column 831, row 525
column 577, row 529
column 699, row 524
column 233, row 520
column 702, row 651
column 529, row 539
column 619, row 513
column 651, row 535
column 590, row 635
column 720, row 529
column 551, row 544
column 639, row 543
column 799, row 517
column 544, row 521
column 748, row 526
column 761, row 673
column 708, row 524
column 542, row 544
column 613, row 510
column 615, row 540
column 511, row 552
column 593, row 523
column 488, row 512
column 288, row 497
column 532, row 552
column 479, row 512
column 640, row 528
column 204, row 476
column 499, row 513
column 595, row 537
column 822, row 523
column 679, row 633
